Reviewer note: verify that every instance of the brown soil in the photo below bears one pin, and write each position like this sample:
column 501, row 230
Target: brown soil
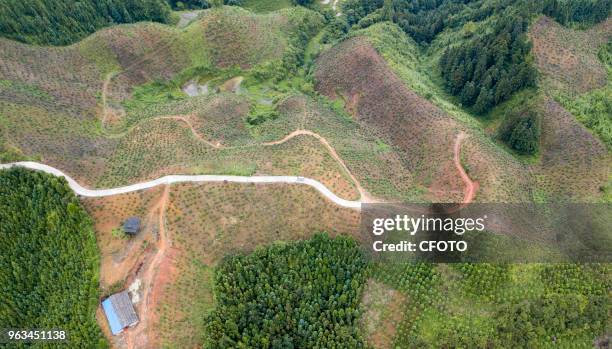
column 141, row 335
column 365, row 197
column 383, row 311
column 380, row 101
column 120, row 256
column 575, row 164
column 422, row 134
column 209, row 221
column 470, row 186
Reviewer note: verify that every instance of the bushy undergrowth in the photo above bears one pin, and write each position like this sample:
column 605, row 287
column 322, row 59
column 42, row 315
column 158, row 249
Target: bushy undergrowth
column 594, row 109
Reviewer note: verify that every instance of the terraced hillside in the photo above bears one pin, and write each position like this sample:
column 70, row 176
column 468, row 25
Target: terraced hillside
column 81, row 107
column 400, row 98
column 416, row 127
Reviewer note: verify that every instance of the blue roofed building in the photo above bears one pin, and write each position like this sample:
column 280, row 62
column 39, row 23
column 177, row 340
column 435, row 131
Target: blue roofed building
column 119, row 312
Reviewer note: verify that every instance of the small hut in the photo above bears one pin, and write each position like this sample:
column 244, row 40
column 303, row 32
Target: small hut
column 119, row 312
column 132, row 226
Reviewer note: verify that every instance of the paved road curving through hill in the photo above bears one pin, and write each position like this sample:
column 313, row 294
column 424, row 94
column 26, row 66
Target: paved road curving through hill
column 171, row 179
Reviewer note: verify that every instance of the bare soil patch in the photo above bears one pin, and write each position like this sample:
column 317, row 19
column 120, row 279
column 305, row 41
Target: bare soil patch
column 383, row 310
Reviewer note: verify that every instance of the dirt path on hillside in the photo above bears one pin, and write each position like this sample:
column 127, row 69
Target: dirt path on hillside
column 184, row 119
column 365, row 197
column 137, row 337
column 469, row 192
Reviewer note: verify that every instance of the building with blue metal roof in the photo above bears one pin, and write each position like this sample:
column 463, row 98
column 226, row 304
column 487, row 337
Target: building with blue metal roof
column 119, row 312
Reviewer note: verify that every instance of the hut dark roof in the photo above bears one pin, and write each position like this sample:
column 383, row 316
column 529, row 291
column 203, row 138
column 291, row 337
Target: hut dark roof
column 132, row 225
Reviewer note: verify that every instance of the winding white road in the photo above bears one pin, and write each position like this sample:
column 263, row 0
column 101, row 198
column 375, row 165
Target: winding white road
column 82, row 191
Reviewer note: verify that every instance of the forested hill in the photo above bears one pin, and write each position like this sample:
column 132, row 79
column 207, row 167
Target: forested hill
column 49, row 262
column 298, row 295
column 61, row 22
column 490, row 62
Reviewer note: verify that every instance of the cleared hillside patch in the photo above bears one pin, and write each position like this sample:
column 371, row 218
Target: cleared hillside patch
column 567, row 57
column 50, row 102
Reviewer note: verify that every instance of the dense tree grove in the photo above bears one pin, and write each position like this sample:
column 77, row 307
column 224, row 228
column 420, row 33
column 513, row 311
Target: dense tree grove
column 201, row 4
column 521, row 130
column 355, row 10
column 581, row 11
column 298, row 295
column 488, row 70
column 302, row 2
column 566, row 307
column 61, row 22
column 424, row 19
column 522, row 324
column 49, row 261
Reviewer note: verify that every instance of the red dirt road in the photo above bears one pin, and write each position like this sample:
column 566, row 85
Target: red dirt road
column 137, row 337
column 471, row 187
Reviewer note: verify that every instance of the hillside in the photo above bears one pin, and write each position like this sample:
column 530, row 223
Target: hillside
column 104, row 88
column 415, row 126
column 498, row 103
column 416, row 103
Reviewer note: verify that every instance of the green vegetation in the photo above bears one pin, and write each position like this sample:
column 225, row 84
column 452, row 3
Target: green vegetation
column 462, row 56
column 202, row 4
column 577, row 11
column 521, row 130
column 296, row 295
column 49, row 261
column 489, row 69
column 153, row 93
column 500, row 306
column 594, row 108
column 61, row 22
column 263, row 6
column 260, row 114
column 490, row 62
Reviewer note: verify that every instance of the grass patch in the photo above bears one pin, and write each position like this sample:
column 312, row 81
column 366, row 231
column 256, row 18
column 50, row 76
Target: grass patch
column 153, row 93
column 594, row 108
column 264, row 6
